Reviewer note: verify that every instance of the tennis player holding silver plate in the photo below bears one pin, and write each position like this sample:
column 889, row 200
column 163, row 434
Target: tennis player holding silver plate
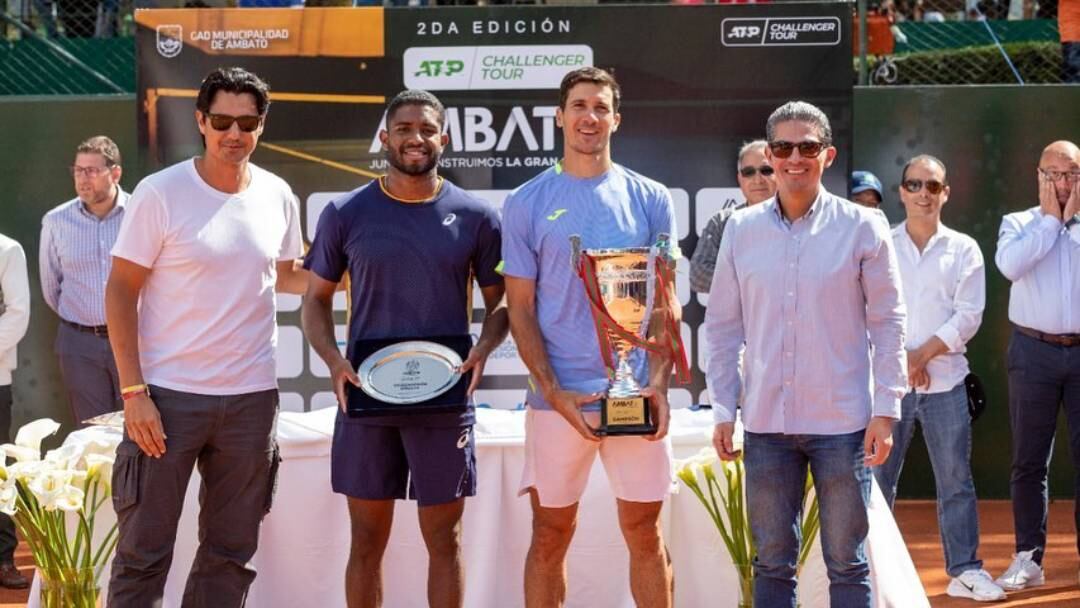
column 413, row 245
column 420, row 373
column 628, row 290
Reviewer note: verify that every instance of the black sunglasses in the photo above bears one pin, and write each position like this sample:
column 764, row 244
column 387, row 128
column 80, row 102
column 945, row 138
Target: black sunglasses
column 807, row 149
column 749, row 172
column 914, row 185
column 224, row 122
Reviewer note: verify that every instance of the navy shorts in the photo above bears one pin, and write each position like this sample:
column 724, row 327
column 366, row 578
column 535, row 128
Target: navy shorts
column 436, row 465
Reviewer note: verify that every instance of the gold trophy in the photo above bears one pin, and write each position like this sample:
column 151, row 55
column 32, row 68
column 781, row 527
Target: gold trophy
column 629, row 291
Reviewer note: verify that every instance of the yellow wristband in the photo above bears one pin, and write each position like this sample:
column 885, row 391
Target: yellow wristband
column 134, row 388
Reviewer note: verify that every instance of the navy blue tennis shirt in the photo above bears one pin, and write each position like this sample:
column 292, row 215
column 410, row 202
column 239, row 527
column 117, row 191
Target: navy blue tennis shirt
column 410, row 263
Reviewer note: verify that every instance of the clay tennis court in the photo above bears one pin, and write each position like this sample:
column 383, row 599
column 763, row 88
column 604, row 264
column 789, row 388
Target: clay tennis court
column 918, row 523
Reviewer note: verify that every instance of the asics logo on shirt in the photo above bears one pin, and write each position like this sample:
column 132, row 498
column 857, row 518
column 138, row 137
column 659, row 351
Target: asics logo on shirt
column 463, row 440
column 449, row 219
column 556, row 215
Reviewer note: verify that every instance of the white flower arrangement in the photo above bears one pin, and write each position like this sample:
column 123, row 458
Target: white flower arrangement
column 47, row 496
column 723, row 496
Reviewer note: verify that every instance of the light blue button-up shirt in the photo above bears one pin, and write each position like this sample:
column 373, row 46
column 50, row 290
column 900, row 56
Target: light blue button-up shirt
column 808, row 298
column 75, row 259
column 1042, row 259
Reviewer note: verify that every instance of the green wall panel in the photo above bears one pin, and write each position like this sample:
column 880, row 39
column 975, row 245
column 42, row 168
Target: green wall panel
column 989, row 138
column 40, row 136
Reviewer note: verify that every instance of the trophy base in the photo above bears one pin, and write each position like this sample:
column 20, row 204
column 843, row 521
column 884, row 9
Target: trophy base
column 625, row 416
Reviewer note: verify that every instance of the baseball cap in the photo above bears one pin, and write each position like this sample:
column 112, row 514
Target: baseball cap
column 862, row 181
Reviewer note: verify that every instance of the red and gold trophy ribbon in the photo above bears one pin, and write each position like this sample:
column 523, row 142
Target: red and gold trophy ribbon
column 606, row 325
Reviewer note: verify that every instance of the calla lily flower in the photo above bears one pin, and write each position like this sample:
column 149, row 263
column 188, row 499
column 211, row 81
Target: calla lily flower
column 27, row 446
column 53, row 490
column 71, row 499
column 20, row 453
column 100, row 466
column 66, row 456
column 31, row 434
column 25, row 470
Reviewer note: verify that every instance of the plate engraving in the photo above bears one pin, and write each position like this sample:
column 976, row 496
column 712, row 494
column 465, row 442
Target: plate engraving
column 409, row 372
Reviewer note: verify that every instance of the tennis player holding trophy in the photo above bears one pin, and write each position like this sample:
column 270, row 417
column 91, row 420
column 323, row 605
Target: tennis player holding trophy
column 599, row 351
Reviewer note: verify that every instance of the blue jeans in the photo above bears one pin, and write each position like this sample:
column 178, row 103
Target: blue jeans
column 775, row 478
column 946, row 427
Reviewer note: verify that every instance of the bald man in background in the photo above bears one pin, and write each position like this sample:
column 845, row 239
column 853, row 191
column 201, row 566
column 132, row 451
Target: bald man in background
column 1039, row 251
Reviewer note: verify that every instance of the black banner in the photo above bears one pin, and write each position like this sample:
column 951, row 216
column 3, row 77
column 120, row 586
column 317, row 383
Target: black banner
column 697, row 82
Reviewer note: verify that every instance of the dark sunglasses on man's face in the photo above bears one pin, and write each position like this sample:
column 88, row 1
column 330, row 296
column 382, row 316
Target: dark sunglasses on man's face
column 807, row 149
column 914, row 185
column 749, row 172
column 224, row 122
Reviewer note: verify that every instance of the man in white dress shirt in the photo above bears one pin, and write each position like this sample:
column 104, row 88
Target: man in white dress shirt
column 14, row 319
column 808, row 277
column 1039, row 251
column 945, row 293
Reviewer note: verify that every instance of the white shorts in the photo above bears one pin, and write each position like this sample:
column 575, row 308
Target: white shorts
column 558, row 460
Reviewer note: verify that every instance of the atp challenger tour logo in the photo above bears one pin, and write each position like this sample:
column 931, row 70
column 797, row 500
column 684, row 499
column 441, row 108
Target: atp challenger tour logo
column 780, row 31
column 463, row 68
column 438, row 67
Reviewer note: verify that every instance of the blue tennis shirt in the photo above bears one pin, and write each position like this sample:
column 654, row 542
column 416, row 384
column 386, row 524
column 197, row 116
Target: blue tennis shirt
column 410, row 264
column 619, row 208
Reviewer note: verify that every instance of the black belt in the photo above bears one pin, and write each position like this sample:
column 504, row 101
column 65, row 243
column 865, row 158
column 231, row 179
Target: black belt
column 97, row 330
column 1058, row 339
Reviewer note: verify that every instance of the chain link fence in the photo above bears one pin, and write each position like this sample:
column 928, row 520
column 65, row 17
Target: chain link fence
column 86, row 46
column 964, row 42
column 68, row 47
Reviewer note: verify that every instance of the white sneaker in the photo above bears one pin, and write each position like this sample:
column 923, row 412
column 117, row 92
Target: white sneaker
column 976, row 585
column 1022, row 573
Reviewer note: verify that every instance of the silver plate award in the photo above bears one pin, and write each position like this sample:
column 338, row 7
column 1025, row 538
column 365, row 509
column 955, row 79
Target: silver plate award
column 409, row 372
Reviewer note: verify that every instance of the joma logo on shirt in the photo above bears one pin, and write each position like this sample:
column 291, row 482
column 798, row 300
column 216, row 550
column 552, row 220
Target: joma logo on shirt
column 557, row 214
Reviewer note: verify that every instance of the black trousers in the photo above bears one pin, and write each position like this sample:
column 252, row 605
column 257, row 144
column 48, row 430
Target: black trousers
column 1043, row 379
column 231, row 440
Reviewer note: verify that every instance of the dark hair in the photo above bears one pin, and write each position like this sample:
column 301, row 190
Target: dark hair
column 99, row 144
column 799, row 111
column 595, row 76
column 924, row 158
column 415, row 97
column 233, row 80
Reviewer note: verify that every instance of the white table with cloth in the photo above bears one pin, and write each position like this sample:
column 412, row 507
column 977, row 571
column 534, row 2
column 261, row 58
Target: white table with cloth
column 304, row 540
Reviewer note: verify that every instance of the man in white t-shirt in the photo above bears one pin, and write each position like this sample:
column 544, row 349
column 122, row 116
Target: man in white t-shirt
column 190, row 308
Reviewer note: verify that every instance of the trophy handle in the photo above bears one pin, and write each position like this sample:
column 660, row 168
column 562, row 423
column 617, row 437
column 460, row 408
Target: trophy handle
column 665, row 273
